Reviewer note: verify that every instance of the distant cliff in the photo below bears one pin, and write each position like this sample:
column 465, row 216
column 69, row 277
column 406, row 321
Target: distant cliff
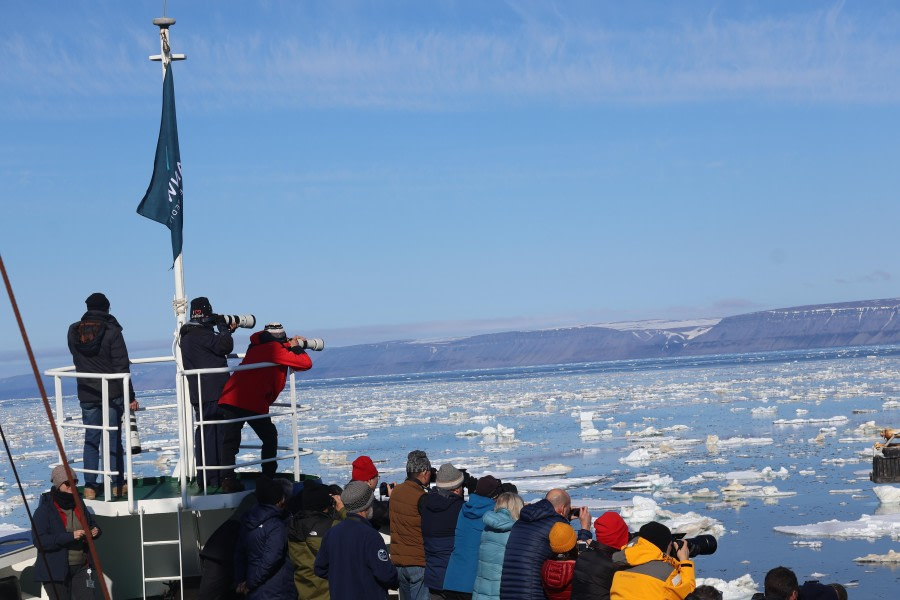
column 863, row 323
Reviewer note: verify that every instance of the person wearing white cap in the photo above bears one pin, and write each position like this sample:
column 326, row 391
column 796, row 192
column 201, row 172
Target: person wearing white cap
column 250, row 393
column 353, row 557
column 440, row 511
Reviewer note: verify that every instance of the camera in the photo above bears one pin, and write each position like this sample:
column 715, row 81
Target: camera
column 311, row 344
column 702, row 545
column 470, row 482
column 384, row 488
column 432, row 476
column 245, row 321
column 574, row 513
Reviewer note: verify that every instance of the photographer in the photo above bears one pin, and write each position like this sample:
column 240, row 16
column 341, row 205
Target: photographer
column 251, row 393
column 654, row 566
column 202, row 347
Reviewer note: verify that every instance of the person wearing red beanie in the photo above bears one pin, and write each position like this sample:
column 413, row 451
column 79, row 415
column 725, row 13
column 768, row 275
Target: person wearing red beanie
column 594, row 568
column 364, row 470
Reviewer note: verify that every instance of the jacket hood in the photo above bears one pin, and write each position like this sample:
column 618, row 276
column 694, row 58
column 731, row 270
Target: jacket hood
column 195, row 327
column 258, row 514
column 89, row 332
column 641, row 552
column 499, row 520
column 477, row 506
column 542, row 509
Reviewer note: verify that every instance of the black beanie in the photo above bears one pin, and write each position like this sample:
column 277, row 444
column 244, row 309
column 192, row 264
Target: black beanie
column 316, row 498
column 657, row 534
column 268, row 491
column 200, row 308
column 97, row 301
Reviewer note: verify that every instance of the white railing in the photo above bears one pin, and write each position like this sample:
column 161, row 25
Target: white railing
column 187, row 467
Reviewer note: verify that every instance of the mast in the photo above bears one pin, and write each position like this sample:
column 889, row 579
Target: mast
column 179, row 304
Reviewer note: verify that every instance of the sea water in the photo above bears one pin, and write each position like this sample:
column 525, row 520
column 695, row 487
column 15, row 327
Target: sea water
column 732, row 445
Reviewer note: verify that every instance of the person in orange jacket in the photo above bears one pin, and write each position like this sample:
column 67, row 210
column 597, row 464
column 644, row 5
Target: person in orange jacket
column 654, row 566
column 250, row 393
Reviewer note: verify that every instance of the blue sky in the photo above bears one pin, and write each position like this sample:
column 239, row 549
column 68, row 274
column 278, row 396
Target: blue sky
column 368, row 171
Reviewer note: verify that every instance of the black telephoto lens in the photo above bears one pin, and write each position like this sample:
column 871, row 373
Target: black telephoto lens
column 702, row 545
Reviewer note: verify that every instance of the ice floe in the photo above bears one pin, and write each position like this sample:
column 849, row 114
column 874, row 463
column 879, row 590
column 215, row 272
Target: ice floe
column 739, row 490
column 644, row 483
column 837, row 419
column 741, row 588
column 887, row 494
column 643, row 510
column 892, row 557
column 866, row 527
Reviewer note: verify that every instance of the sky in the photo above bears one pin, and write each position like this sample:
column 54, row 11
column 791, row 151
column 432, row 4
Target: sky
column 371, row 171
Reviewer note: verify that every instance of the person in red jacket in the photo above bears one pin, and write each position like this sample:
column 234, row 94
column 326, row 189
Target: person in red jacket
column 557, row 571
column 250, row 393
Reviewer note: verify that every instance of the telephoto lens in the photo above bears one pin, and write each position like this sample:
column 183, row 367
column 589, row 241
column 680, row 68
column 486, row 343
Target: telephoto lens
column 244, row 321
column 702, row 545
column 312, row 344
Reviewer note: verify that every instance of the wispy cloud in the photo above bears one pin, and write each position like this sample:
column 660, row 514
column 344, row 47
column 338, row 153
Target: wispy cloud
column 829, row 55
column 876, row 276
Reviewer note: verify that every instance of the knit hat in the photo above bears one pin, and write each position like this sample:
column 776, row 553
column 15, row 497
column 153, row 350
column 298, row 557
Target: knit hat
column 657, row 534
column 449, row 477
column 417, row 461
column 562, row 538
column 611, row 530
column 813, row 590
column 97, row 301
column 200, row 308
column 357, row 497
column 276, row 330
column 58, row 476
column 363, row 469
column 488, row 487
column 315, row 498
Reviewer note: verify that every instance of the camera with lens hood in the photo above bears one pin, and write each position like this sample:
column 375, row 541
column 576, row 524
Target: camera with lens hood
column 702, row 545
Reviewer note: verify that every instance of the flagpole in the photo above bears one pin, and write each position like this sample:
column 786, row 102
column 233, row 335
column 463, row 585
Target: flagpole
column 179, row 304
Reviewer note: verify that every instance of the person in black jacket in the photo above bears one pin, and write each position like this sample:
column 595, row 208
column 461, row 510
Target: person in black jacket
column 594, row 568
column 97, row 346
column 440, row 511
column 63, row 565
column 202, row 347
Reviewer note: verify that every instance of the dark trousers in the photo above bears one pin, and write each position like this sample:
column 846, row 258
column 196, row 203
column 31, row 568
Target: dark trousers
column 231, row 443
column 74, row 587
column 450, row 595
column 211, row 444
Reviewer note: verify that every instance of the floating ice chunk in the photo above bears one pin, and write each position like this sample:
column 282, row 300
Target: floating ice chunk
column 642, row 456
column 891, row 404
column 649, row 431
column 644, row 482
column 866, row 527
column 887, row 494
column 764, row 411
column 545, row 484
column 468, row 433
column 555, row 470
column 844, row 491
column 714, row 441
column 737, row 589
column 739, row 490
column 892, row 557
column 816, row 544
column 837, row 419
column 766, row 473
column 801, row 411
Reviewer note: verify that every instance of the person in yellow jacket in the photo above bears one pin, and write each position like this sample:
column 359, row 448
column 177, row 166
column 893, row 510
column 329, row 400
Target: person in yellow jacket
column 649, row 569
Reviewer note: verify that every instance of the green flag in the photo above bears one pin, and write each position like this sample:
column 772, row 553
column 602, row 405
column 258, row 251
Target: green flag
column 164, row 200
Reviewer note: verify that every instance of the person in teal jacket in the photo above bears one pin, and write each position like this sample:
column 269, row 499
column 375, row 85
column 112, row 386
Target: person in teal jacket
column 460, row 576
column 497, row 525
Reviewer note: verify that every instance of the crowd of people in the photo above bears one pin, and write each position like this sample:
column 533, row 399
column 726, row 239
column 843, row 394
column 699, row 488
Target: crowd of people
column 451, row 537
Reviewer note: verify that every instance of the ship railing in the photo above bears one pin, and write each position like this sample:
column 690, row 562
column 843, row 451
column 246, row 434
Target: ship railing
column 293, row 408
column 186, row 423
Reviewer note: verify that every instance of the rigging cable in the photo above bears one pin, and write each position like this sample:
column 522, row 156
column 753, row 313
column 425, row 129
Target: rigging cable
column 79, row 505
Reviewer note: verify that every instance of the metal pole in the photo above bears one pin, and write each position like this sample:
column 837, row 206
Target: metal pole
column 185, row 463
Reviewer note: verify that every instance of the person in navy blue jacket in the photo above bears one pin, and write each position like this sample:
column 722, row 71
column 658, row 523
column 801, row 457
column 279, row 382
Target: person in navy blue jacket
column 529, row 545
column 463, row 565
column 261, row 564
column 63, row 565
column 353, row 557
column 440, row 510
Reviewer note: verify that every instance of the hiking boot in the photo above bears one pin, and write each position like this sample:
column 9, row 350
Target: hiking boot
column 89, row 493
column 231, row 485
column 121, row 490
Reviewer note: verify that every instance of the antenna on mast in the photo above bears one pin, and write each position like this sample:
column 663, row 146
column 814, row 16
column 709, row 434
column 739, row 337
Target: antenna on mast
column 165, row 56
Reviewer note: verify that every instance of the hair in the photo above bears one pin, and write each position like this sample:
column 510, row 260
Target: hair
column 268, row 491
column 781, row 583
column 511, row 502
column 705, row 592
column 840, row 590
column 287, row 486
